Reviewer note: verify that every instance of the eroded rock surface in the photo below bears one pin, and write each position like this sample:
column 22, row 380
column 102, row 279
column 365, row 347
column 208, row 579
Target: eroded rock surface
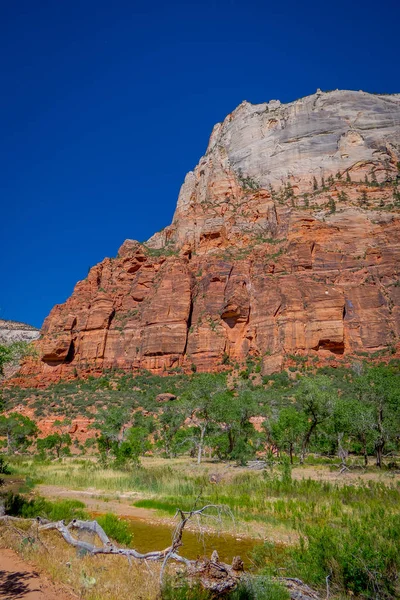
column 285, row 241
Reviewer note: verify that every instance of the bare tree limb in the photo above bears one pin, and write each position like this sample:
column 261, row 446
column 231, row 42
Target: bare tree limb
column 213, row 574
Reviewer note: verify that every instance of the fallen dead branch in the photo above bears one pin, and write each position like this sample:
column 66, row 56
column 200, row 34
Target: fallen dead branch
column 213, row 574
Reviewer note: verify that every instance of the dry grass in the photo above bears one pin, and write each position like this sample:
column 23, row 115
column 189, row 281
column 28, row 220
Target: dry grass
column 89, row 577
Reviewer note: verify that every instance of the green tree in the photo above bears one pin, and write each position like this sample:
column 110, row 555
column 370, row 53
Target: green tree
column 111, row 424
column 55, row 443
column 331, row 205
column 379, row 389
column 315, row 397
column 14, row 352
column 18, row 430
column 169, row 423
column 5, row 357
column 134, row 444
column 288, row 430
column 234, row 433
column 201, row 397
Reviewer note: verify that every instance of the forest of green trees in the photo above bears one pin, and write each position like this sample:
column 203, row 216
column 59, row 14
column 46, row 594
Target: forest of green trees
column 338, row 412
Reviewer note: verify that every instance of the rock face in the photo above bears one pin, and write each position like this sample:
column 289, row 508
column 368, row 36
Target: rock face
column 14, row 331
column 285, row 241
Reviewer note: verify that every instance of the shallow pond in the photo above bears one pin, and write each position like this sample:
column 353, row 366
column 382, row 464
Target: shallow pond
column 149, row 536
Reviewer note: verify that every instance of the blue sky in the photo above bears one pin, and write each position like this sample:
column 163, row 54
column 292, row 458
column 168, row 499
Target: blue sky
column 105, row 106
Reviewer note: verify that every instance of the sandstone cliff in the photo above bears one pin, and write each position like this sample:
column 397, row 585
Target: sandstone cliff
column 285, row 241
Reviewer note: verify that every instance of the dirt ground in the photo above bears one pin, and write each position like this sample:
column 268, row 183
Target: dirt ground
column 20, row 581
column 106, row 503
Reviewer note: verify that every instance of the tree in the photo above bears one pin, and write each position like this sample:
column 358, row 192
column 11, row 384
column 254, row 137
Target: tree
column 110, row 423
column 379, row 389
column 362, row 426
column 331, row 205
column 13, row 352
column 134, row 444
column 170, row 422
column 234, row 433
column 58, row 443
column 19, row 431
column 201, row 398
column 5, row 357
column 315, row 397
column 288, row 430
column 364, row 199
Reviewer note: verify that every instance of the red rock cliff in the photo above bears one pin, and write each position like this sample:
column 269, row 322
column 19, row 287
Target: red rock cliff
column 286, row 239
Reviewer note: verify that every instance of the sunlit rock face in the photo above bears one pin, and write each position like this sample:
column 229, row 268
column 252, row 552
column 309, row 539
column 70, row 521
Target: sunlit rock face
column 285, row 241
column 14, row 331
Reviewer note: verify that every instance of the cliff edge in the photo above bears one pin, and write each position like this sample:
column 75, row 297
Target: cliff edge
column 285, row 242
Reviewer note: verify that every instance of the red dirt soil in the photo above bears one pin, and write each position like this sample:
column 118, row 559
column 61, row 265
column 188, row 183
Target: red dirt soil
column 19, row 580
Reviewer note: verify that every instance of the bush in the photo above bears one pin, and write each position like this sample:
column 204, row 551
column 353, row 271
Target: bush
column 4, row 467
column 259, row 588
column 360, row 555
column 116, row 528
column 251, row 588
column 173, row 590
column 18, row 506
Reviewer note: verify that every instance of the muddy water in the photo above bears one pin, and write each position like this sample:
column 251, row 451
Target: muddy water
column 149, row 536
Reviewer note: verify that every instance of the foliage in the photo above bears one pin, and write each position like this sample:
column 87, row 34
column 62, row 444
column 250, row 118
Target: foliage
column 18, row 430
column 14, row 352
column 115, row 528
column 55, row 443
column 287, row 430
column 18, row 506
column 5, row 357
column 259, row 588
column 4, row 466
column 182, row 590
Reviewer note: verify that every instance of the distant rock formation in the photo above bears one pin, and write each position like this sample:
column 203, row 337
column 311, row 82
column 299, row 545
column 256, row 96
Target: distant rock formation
column 14, row 331
column 285, row 242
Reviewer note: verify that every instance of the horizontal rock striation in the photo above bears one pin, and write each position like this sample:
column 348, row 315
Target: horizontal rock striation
column 14, row 331
column 285, row 241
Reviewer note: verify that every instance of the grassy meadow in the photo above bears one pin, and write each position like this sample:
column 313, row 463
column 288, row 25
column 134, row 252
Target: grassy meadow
column 323, row 507
column 313, row 521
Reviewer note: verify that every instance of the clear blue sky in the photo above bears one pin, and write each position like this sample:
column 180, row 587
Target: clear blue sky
column 104, row 107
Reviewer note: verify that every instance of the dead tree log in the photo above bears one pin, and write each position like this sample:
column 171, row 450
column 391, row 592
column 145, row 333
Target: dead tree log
column 108, row 547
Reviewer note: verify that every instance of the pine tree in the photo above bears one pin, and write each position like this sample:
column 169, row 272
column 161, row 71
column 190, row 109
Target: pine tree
column 364, row 199
column 348, row 178
column 331, row 205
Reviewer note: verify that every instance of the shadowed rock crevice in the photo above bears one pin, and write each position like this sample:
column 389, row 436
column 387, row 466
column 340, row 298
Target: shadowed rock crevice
column 334, row 347
column 71, row 353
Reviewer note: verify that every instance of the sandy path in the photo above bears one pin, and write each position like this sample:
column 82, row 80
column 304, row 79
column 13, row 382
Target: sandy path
column 19, row 581
column 106, row 503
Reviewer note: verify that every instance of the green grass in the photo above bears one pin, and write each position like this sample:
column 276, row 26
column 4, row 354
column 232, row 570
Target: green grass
column 116, row 528
column 166, row 507
column 351, row 530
